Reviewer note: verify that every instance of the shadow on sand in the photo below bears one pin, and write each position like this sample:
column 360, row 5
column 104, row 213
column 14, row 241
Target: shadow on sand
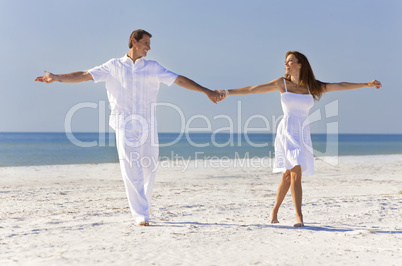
column 310, row 226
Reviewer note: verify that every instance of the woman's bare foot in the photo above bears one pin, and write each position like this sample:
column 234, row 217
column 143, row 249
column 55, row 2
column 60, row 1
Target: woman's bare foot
column 274, row 221
column 143, row 223
column 274, row 218
column 299, row 220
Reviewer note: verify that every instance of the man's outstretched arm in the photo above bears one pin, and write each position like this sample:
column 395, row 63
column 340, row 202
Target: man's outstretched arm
column 69, row 78
column 191, row 85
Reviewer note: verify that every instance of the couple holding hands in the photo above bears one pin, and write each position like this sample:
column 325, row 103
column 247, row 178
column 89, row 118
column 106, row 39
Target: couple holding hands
column 132, row 85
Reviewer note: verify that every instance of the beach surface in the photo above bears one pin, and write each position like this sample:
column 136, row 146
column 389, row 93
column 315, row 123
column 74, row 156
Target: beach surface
column 205, row 213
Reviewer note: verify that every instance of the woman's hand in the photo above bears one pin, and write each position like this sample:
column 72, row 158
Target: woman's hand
column 375, row 83
column 222, row 95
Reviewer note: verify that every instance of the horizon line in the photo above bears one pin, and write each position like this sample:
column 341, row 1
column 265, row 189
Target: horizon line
column 97, row 132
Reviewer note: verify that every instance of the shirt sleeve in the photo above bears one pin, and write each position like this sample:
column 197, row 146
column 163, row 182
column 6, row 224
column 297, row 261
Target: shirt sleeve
column 101, row 73
column 164, row 75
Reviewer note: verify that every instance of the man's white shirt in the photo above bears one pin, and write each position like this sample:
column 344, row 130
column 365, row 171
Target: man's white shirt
column 132, row 90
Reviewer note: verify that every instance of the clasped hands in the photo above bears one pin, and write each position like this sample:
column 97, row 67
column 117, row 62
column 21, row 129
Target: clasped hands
column 217, row 95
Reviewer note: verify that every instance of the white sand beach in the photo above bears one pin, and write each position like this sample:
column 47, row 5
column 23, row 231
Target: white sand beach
column 204, row 215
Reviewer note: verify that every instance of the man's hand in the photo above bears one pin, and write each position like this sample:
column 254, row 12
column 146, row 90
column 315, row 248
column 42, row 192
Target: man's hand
column 47, row 78
column 213, row 96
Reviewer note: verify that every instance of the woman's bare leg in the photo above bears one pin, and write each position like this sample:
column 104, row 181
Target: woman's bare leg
column 280, row 195
column 297, row 193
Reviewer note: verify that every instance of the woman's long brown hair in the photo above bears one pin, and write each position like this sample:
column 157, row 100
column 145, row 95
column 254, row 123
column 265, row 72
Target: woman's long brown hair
column 307, row 76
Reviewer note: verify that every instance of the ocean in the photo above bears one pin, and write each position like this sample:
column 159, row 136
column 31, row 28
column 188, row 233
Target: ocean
column 29, row 149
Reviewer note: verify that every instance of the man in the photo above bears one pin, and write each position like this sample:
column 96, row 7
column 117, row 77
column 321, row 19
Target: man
column 132, row 85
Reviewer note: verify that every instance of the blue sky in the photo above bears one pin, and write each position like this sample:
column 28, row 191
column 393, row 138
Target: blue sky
column 219, row 44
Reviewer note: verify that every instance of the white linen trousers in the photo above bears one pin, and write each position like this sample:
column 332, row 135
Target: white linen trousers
column 138, row 164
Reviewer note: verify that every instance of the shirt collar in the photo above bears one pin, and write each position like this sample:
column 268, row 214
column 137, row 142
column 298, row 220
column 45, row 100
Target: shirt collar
column 127, row 60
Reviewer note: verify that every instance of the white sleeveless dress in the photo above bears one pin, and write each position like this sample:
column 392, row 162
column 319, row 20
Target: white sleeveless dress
column 293, row 142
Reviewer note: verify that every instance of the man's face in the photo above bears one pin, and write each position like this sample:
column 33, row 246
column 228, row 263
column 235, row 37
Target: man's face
column 142, row 46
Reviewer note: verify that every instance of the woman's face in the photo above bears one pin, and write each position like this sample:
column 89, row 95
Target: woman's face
column 292, row 65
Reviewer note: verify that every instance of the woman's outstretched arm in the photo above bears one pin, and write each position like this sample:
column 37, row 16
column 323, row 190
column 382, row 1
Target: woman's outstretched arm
column 342, row 86
column 263, row 88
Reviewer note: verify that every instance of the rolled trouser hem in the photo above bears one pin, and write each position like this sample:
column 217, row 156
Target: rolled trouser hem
column 141, row 219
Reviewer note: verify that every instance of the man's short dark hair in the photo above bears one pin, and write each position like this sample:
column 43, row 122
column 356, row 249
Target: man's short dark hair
column 137, row 35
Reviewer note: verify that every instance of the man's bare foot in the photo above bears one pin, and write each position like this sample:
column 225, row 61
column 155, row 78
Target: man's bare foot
column 143, row 223
column 298, row 225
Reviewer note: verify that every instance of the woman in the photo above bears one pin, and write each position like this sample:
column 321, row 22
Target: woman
column 293, row 148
